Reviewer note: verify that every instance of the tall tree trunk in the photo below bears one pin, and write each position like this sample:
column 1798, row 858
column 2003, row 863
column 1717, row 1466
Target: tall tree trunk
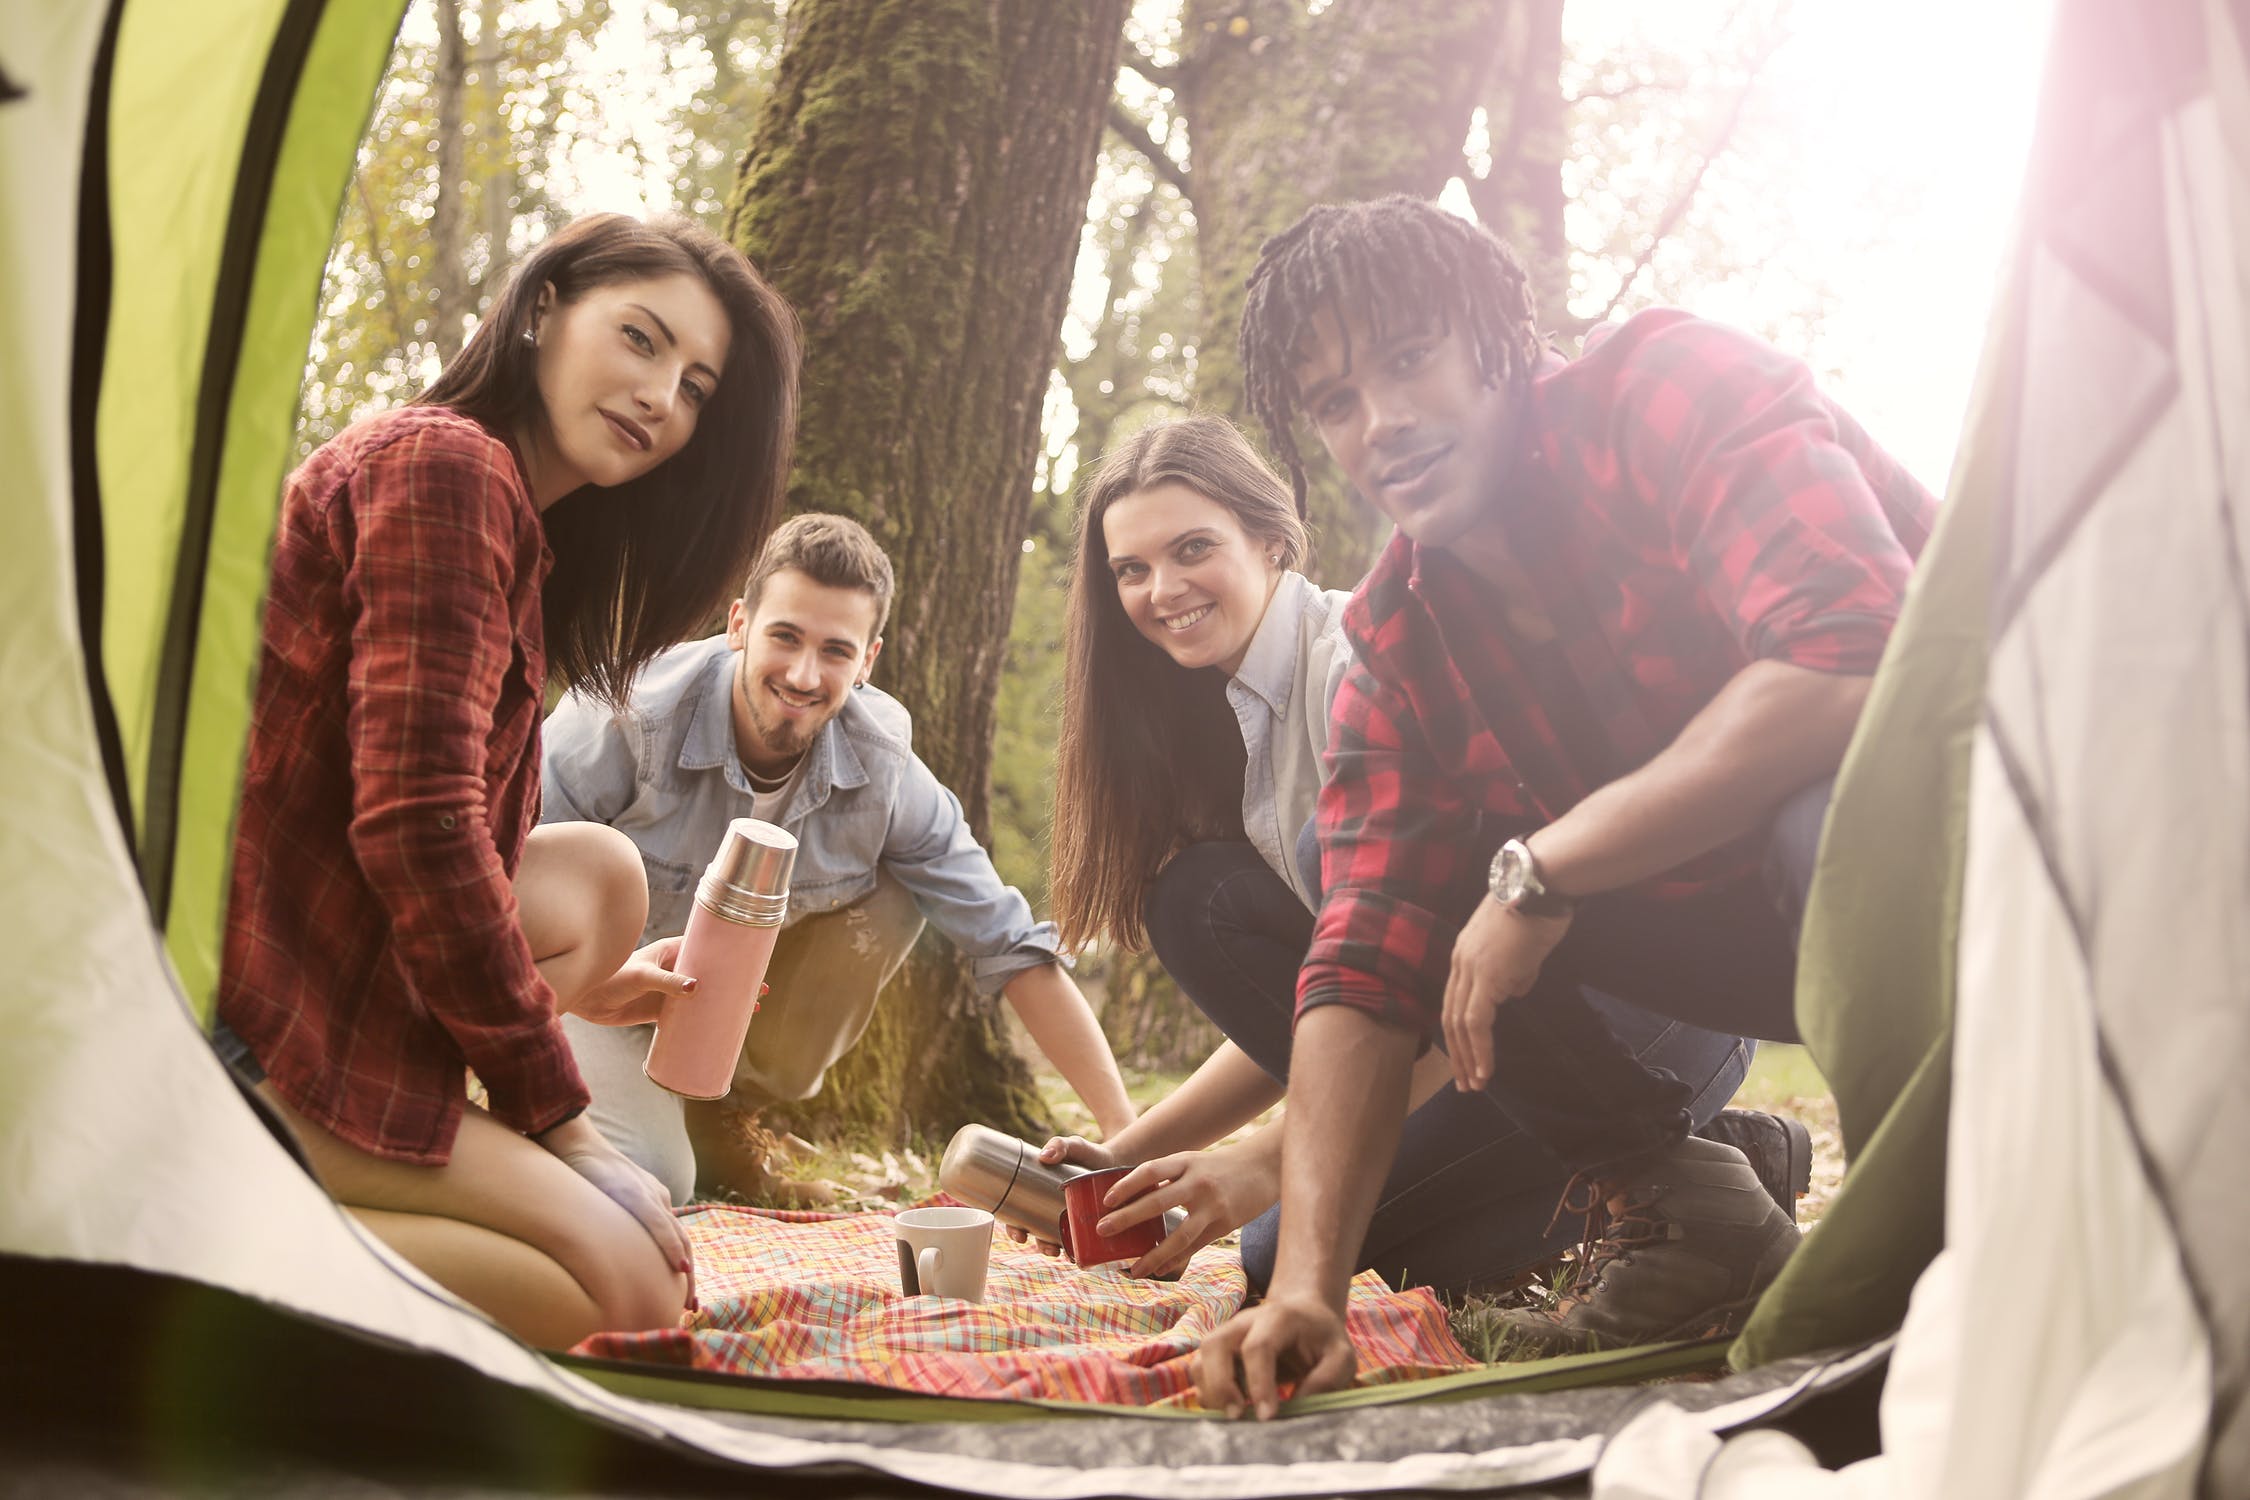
column 1520, row 198
column 920, row 202
column 497, row 192
column 1286, row 109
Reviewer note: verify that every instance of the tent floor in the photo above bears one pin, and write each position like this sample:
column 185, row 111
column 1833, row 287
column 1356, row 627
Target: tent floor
column 122, row 1385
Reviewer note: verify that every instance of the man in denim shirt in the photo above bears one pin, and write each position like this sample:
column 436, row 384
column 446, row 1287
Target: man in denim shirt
column 775, row 720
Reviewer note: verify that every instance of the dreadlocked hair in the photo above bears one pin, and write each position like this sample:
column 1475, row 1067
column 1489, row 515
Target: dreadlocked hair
column 1403, row 263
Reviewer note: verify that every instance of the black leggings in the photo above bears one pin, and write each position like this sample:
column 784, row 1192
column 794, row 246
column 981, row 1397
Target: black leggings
column 1471, row 1192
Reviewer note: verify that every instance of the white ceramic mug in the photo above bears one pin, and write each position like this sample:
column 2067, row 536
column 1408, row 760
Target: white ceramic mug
column 943, row 1252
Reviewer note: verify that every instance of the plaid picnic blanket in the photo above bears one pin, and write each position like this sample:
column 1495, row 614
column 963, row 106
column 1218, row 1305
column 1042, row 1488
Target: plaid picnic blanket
column 816, row 1297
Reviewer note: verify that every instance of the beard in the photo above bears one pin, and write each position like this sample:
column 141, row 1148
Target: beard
column 783, row 737
column 780, row 738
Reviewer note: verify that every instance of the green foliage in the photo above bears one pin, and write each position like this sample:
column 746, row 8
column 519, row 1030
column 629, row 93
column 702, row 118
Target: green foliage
column 1023, row 745
column 740, row 42
column 401, row 285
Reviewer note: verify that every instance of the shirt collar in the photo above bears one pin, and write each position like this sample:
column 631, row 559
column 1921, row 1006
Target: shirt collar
column 709, row 740
column 1269, row 667
column 831, row 763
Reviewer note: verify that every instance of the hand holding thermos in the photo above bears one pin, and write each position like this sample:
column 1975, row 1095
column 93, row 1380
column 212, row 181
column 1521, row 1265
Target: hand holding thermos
column 739, row 909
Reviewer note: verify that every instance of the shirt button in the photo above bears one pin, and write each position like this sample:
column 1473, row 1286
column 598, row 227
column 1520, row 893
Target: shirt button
column 445, row 820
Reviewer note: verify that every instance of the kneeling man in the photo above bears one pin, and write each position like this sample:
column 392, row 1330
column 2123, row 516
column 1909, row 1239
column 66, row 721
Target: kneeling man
column 775, row 720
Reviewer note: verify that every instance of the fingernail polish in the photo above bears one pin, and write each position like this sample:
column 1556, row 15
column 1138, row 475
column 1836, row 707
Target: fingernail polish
column 689, row 987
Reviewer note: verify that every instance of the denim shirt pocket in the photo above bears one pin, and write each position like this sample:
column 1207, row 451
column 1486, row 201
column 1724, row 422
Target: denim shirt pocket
column 671, row 895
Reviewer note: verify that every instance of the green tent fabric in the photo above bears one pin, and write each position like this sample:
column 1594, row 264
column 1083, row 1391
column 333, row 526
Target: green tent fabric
column 230, row 139
column 1876, row 961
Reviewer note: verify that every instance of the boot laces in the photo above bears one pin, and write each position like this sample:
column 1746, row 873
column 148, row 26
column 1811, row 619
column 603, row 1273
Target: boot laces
column 1606, row 1236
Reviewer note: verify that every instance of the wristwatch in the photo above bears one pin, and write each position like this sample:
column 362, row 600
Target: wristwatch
column 1517, row 883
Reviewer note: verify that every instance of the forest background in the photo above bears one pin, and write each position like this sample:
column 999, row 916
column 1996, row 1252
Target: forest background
column 1017, row 229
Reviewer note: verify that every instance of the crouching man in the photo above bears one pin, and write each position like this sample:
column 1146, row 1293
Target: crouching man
column 1603, row 674
column 775, row 720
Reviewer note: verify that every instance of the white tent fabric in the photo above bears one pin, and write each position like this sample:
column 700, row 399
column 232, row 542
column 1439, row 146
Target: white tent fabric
column 2085, row 1334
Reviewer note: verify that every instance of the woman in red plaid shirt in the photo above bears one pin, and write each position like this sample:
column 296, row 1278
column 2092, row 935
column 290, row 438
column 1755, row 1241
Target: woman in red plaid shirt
column 581, row 487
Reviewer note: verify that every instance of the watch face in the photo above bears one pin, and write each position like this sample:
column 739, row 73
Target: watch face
column 1511, row 872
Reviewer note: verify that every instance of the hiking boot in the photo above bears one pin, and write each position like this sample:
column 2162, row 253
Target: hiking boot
column 1691, row 1238
column 1779, row 1149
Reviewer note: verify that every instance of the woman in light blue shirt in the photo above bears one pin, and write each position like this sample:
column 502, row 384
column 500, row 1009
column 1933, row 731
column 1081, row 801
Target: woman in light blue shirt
column 1201, row 664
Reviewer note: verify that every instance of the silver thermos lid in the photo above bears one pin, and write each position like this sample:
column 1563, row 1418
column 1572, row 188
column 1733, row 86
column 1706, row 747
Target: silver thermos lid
column 748, row 880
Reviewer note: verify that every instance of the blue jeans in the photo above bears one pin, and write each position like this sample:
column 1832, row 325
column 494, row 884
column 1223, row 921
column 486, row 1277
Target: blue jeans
column 1472, row 1190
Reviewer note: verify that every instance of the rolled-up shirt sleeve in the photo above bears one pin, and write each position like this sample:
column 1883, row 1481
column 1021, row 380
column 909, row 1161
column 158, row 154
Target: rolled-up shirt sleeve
column 1769, row 513
column 427, row 593
column 1398, row 861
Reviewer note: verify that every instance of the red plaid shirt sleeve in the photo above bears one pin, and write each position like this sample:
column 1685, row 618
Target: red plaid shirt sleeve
column 1769, row 510
column 1395, row 841
column 427, row 595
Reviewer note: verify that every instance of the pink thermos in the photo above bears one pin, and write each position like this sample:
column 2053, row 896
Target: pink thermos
column 738, row 912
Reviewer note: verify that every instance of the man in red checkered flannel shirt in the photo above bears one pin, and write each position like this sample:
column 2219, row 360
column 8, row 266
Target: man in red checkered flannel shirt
column 1605, row 672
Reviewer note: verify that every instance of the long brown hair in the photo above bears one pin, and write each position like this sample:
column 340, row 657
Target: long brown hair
column 643, row 565
column 1151, row 758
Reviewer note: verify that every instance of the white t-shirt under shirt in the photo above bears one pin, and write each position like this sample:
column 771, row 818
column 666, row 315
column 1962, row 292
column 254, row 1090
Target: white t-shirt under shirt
column 767, row 799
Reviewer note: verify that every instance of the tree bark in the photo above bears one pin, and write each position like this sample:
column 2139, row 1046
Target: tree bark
column 1520, row 197
column 916, row 186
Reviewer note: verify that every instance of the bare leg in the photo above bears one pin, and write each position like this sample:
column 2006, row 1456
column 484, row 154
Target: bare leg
column 582, row 897
column 525, row 1291
column 507, row 1227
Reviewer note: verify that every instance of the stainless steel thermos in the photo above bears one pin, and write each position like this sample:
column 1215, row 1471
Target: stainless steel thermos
column 1004, row 1176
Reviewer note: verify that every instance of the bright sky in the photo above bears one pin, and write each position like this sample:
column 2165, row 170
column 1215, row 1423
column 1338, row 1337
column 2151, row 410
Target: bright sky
column 1909, row 122
column 1903, row 128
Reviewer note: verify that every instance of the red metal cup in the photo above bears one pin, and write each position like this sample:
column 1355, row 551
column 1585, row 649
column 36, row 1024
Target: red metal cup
column 1083, row 1208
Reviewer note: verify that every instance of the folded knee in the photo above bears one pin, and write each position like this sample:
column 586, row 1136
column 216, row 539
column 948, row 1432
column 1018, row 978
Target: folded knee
column 620, row 883
column 637, row 1292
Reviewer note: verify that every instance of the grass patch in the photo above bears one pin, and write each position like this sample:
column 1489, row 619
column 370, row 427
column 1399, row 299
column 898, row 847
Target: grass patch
column 1779, row 1074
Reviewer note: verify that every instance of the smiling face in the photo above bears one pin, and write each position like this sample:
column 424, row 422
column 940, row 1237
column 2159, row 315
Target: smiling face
column 623, row 373
column 1189, row 577
column 803, row 647
column 1411, row 421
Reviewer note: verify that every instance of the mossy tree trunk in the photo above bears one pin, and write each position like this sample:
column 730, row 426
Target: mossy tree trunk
column 916, row 185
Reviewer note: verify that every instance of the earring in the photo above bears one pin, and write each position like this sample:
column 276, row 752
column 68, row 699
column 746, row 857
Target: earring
column 530, row 337
column 1274, row 558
